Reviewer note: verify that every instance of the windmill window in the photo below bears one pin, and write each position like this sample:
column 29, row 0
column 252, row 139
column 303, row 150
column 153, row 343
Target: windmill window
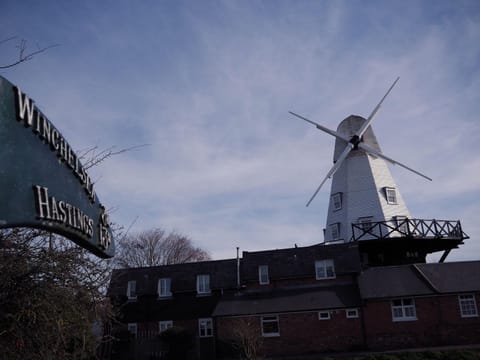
column 391, row 195
column 132, row 290
column 468, row 306
column 365, row 223
column 337, row 201
column 263, row 278
column 164, row 325
column 324, row 269
column 203, row 284
column 335, row 231
column 401, row 224
column 164, row 287
column 403, row 310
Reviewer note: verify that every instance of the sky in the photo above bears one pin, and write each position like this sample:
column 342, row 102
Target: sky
column 206, row 86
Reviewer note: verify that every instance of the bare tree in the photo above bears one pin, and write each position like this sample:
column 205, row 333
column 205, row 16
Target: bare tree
column 23, row 53
column 50, row 295
column 246, row 338
column 157, row 247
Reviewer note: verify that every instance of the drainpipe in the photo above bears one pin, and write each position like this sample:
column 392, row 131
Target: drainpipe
column 238, row 268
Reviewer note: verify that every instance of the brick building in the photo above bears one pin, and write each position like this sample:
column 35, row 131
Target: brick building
column 300, row 300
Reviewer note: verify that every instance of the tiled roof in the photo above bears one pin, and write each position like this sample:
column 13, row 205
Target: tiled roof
column 419, row 279
column 308, row 299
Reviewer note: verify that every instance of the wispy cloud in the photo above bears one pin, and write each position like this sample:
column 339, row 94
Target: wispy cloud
column 209, row 88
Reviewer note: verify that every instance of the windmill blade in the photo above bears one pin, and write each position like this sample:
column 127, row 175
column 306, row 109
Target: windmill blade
column 323, row 128
column 370, row 118
column 333, row 170
column 394, row 162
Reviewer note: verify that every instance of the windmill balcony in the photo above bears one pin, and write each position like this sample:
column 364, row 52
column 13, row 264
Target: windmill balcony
column 409, row 228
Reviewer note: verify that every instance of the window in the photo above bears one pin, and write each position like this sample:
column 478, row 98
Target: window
column 468, row 306
column 132, row 290
column 164, row 325
column 203, row 284
column 324, row 269
column 401, row 224
column 324, row 315
column 365, row 223
column 205, row 327
column 263, row 275
column 351, row 313
column 270, row 326
column 132, row 329
column 391, row 195
column 337, row 201
column 403, row 310
column 335, row 231
column 164, row 287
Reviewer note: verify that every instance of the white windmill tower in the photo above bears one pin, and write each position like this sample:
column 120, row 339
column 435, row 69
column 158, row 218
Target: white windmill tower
column 365, row 203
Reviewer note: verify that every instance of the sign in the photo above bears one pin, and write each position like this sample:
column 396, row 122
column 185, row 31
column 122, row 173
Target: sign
column 43, row 183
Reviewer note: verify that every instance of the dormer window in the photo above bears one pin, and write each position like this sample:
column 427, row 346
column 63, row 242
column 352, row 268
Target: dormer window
column 203, row 284
column 337, row 201
column 164, row 287
column 391, row 195
column 335, row 231
column 132, row 290
column 263, row 278
column 324, row 269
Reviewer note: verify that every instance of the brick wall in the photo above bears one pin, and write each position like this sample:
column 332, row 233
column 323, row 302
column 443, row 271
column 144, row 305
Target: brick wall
column 438, row 323
column 300, row 333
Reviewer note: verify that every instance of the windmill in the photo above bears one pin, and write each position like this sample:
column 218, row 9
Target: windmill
column 365, row 203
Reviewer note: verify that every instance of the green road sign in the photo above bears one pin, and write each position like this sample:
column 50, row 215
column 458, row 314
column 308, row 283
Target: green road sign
column 43, row 183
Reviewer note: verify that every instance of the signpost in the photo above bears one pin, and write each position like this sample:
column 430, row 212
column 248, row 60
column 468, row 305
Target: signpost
column 43, row 183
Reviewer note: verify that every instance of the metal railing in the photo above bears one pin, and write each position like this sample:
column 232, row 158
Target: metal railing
column 412, row 228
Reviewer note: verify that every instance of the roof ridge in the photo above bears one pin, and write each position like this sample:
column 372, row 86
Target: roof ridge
column 425, row 278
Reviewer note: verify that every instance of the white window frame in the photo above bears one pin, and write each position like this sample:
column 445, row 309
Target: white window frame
column 391, row 195
column 401, row 223
column 351, row 313
column 263, row 278
column 205, row 327
column 132, row 328
column 366, row 223
column 468, row 305
column 403, row 309
column 164, row 325
column 325, row 269
column 337, row 201
column 164, row 287
column 132, row 290
column 203, row 284
column 324, row 315
column 270, row 319
column 335, row 231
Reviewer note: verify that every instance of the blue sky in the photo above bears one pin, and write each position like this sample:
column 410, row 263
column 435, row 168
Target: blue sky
column 208, row 85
